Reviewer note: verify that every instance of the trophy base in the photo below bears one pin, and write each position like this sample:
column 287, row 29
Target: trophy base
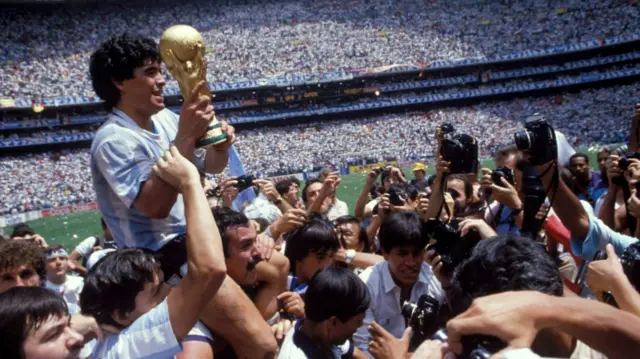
column 213, row 136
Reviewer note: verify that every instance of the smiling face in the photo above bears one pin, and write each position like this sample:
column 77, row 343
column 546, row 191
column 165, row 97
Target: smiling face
column 144, row 90
column 53, row 339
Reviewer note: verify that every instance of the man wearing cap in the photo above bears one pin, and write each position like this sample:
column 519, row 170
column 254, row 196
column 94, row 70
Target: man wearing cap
column 419, row 172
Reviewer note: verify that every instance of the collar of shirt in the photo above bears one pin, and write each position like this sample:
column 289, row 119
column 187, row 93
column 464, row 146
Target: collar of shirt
column 389, row 284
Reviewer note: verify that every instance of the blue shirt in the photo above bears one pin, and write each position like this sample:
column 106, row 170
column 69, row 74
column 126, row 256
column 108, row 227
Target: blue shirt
column 598, row 236
column 149, row 337
column 506, row 223
column 122, row 155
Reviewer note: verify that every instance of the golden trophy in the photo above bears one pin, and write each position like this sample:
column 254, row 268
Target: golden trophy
column 182, row 51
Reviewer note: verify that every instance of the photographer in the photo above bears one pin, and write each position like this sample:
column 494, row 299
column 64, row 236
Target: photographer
column 611, row 207
column 505, row 210
column 460, row 189
column 388, row 176
column 402, row 276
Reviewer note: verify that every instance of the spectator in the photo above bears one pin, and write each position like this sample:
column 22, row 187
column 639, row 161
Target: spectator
column 22, row 264
column 67, row 286
column 336, row 302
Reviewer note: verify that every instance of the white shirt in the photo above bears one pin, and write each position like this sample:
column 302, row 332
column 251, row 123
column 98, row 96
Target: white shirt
column 338, row 210
column 86, row 247
column 149, row 337
column 69, row 290
column 385, row 306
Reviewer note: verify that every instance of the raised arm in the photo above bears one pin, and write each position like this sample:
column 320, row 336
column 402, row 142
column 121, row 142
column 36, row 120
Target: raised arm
column 364, row 194
column 205, row 261
column 517, row 317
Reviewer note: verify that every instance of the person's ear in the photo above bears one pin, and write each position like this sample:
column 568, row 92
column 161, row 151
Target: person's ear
column 118, row 84
column 120, row 318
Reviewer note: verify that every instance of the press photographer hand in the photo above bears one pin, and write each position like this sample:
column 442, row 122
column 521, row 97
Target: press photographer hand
column 512, row 317
column 383, row 345
column 604, row 273
column 483, row 228
column 442, row 168
column 435, row 261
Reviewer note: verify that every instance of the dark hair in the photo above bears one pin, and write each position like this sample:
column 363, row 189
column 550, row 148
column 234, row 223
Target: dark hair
column 14, row 254
column 402, row 229
column 225, row 219
column 113, row 283
column 335, row 292
column 315, row 236
column 23, row 310
column 468, row 187
column 21, row 230
column 362, row 233
column 283, row 186
column 115, row 60
column 306, row 185
column 504, row 264
column 579, row 155
column 263, row 223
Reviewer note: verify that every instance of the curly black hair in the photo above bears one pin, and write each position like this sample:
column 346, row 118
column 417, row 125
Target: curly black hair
column 115, row 60
column 14, row 254
column 504, row 264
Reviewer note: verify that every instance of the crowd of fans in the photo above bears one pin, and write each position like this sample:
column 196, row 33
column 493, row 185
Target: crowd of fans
column 586, row 118
column 258, row 39
column 538, row 257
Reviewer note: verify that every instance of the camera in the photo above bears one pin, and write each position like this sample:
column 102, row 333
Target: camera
column 630, row 260
column 422, row 318
column 452, row 248
column 461, row 150
column 397, row 195
column 538, row 139
column 244, row 182
column 502, row 172
column 624, row 162
column 474, row 346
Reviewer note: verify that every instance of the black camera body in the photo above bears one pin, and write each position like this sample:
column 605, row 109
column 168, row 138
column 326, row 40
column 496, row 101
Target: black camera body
column 503, row 172
column 452, row 248
column 397, row 195
column 422, row 318
column 538, row 139
column 474, row 346
column 461, row 150
column 244, row 182
column 630, row 260
column 624, row 162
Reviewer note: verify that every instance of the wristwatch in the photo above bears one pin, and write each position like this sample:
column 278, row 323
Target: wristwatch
column 278, row 201
column 350, row 253
column 516, row 211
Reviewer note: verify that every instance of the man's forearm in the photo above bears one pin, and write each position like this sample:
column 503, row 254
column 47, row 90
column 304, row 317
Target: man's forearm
column 608, row 330
column 362, row 201
column 607, row 210
column 626, row 296
column 435, row 201
column 215, row 160
column 204, row 246
column 156, row 198
column 566, row 205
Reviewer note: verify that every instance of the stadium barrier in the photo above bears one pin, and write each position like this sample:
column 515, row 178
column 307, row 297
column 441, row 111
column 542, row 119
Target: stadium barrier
column 15, row 218
column 368, row 167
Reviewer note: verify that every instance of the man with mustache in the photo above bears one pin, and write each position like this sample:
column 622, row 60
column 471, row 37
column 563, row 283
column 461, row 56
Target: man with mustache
column 262, row 278
column 402, row 276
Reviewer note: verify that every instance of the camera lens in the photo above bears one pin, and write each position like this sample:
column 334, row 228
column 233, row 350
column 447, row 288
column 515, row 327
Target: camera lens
column 624, row 163
column 523, row 140
column 407, row 309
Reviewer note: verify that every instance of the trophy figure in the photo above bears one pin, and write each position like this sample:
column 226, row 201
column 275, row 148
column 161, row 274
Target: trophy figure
column 182, row 51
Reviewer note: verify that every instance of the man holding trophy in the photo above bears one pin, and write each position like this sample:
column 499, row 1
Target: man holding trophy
column 139, row 208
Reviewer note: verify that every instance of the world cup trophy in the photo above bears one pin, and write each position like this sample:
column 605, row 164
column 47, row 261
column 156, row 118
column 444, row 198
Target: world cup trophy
column 182, row 51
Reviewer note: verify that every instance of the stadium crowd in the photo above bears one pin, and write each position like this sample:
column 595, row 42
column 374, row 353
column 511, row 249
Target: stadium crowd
column 537, row 258
column 258, row 39
column 586, row 118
